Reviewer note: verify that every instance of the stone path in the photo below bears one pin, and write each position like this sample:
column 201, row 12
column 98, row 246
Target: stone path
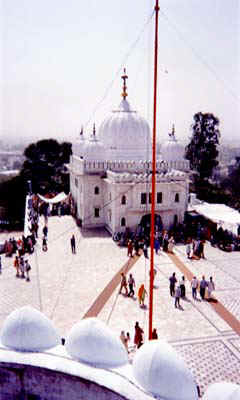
column 68, row 287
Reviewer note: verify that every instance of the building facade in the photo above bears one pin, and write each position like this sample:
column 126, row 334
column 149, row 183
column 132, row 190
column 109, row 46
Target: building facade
column 110, row 175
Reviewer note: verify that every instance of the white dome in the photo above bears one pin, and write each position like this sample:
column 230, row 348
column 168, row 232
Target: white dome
column 27, row 329
column 125, row 134
column 94, row 150
column 161, row 371
column 222, row 391
column 91, row 341
column 172, row 150
column 78, row 145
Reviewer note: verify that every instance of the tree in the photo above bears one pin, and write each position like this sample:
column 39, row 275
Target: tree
column 12, row 198
column 202, row 150
column 45, row 166
column 231, row 184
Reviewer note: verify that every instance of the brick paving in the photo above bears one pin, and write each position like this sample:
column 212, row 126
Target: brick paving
column 66, row 287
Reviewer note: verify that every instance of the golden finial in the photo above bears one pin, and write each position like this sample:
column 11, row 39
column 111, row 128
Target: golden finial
column 124, row 78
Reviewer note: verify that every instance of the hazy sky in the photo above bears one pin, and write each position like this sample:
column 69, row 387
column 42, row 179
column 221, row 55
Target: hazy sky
column 62, row 61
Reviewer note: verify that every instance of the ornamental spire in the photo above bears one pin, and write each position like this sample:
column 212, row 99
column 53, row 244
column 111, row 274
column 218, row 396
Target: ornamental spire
column 124, row 78
column 172, row 134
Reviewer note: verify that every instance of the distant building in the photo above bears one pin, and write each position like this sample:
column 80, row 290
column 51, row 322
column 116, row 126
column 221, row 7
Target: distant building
column 110, row 175
column 11, row 160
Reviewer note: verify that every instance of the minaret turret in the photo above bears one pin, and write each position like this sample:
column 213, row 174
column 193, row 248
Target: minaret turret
column 124, row 78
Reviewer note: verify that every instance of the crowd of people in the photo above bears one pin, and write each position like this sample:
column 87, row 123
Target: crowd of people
column 24, row 246
column 225, row 240
column 178, row 288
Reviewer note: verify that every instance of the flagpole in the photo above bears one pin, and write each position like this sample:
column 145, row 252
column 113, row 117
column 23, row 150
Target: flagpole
column 153, row 175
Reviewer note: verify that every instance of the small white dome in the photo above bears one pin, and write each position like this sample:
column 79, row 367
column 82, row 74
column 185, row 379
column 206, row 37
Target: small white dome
column 161, row 371
column 27, row 329
column 92, row 342
column 78, row 145
column 222, row 391
column 94, row 150
column 125, row 134
column 172, row 150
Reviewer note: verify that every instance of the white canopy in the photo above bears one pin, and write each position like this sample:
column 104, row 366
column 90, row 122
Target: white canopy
column 60, row 197
column 222, row 215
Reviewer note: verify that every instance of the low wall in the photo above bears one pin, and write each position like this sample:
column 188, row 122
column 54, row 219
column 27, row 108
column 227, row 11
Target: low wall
column 26, row 382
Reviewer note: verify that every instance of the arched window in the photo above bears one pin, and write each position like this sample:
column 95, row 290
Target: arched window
column 123, row 201
column 96, row 190
column 123, row 222
column 177, row 198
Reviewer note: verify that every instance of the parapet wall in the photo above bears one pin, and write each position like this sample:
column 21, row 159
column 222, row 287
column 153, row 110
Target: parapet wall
column 82, row 166
column 25, row 382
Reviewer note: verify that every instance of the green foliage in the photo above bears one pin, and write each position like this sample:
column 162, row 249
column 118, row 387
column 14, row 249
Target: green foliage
column 13, row 195
column 202, row 150
column 44, row 166
column 231, row 184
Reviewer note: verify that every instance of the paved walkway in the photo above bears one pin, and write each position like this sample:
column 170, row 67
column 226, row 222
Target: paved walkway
column 68, row 287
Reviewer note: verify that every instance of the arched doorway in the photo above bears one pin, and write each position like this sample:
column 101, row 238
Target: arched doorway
column 145, row 223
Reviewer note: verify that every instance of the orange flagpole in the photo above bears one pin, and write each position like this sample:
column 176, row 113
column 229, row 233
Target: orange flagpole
column 153, row 174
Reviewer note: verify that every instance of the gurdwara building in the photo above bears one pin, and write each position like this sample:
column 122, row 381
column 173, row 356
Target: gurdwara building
column 111, row 174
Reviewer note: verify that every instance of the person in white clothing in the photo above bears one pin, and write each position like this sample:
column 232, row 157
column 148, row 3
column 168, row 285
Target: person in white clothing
column 211, row 287
column 194, row 285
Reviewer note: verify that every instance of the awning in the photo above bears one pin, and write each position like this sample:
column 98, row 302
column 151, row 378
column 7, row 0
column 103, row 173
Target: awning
column 57, row 199
column 224, row 216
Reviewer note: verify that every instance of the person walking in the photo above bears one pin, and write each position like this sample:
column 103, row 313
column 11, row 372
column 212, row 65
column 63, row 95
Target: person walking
column 172, row 281
column 156, row 245
column 45, row 230
column 188, row 249
column 137, row 247
column 44, row 244
column 145, row 250
column 141, row 295
column 22, row 267
column 165, row 241
column 194, row 285
column 154, row 334
column 177, row 296
column 182, row 287
column 171, row 243
column 123, row 338
column 211, row 287
column 131, row 285
column 138, row 337
column 127, row 340
column 73, row 244
column 27, row 269
column 203, row 285
column 130, row 248
column 16, row 265
column 201, row 249
column 123, row 284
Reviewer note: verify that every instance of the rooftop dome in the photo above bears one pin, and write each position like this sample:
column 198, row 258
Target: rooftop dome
column 92, row 342
column 27, row 329
column 222, row 391
column 94, row 150
column 171, row 150
column 124, row 133
column 160, row 370
column 78, row 145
